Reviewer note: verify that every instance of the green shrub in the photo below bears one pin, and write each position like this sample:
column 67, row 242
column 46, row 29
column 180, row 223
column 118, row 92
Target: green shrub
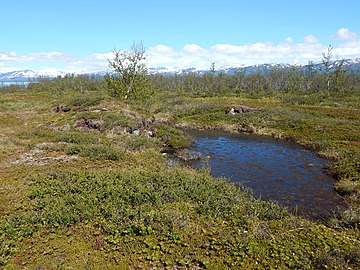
column 177, row 137
column 100, row 152
column 72, row 149
column 77, row 137
column 112, row 120
column 138, row 143
column 84, row 101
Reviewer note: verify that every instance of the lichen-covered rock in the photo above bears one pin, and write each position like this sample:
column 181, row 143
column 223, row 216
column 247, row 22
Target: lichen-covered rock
column 241, row 109
column 90, row 124
column 60, row 108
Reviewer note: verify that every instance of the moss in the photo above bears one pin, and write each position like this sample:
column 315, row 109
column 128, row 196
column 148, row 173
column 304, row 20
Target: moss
column 126, row 209
column 161, row 218
column 173, row 137
column 83, row 101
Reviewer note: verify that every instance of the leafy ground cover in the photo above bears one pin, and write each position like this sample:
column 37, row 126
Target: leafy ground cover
column 102, row 195
column 329, row 126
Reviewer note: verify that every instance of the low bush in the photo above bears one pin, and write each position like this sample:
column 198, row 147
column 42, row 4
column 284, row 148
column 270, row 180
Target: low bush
column 100, row 152
column 175, row 138
column 77, row 137
column 84, row 101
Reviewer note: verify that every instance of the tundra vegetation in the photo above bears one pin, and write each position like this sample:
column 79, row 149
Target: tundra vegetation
column 85, row 184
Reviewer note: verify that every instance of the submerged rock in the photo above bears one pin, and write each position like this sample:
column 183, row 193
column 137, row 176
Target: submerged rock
column 188, row 155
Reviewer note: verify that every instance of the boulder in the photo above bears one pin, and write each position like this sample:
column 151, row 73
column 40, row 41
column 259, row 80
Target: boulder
column 241, row 109
column 60, row 108
column 90, row 124
column 136, row 132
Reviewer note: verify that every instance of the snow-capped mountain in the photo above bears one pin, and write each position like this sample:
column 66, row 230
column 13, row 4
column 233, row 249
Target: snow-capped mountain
column 29, row 75
column 352, row 65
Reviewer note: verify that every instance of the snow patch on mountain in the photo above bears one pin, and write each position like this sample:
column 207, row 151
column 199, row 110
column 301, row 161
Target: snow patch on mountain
column 352, row 65
column 28, row 75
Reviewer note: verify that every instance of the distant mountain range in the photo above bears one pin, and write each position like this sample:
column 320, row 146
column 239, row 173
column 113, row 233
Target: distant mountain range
column 28, row 75
column 23, row 76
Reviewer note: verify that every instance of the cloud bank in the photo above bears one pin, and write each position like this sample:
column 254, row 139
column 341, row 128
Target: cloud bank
column 347, row 45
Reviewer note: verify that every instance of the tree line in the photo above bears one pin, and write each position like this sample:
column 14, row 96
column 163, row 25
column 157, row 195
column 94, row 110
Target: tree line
column 132, row 81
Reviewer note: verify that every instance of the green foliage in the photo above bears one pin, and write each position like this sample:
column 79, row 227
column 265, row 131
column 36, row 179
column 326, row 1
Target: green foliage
column 176, row 138
column 84, row 101
column 72, row 149
column 332, row 79
column 130, row 81
column 138, row 143
column 101, row 152
column 177, row 217
column 77, row 137
column 118, row 119
column 334, row 74
column 120, row 206
column 70, row 83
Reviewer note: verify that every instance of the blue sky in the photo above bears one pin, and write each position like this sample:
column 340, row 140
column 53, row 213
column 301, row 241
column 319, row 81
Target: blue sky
column 78, row 36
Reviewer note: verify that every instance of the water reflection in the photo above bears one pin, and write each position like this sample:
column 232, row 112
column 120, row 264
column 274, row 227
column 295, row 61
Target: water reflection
column 273, row 169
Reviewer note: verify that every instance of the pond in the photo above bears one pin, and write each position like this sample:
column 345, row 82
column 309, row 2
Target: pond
column 275, row 170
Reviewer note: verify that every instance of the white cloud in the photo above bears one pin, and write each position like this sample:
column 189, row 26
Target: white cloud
column 101, row 56
column 310, row 39
column 36, row 57
column 193, row 55
column 52, row 56
column 289, row 40
column 193, row 49
column 345, row 34
column 348, row 50
column 161, row 49
column 228, row 49
column 10, row 56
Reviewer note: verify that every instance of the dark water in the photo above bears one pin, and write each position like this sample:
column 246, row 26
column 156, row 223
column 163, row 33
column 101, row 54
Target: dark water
column 273, row 169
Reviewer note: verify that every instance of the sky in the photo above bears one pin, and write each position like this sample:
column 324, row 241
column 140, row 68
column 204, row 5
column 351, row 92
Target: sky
column 79, row 36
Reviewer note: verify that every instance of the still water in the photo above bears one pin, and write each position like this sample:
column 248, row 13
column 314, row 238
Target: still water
column 273, row 169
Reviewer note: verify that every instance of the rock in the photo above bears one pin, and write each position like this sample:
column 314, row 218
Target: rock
column 93, row 124
column 65, row 127
column 232, row 111
column 60, row 108
column 90, row 124
column 80, row 123
column 146, row 122
column 150, row 133
column 136, row 132
column 241, row 109
column 188, row 155
column 165, row 138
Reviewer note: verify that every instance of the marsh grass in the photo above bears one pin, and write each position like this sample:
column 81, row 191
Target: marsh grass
column 178, row 217
column 176, row 138
column 79, row 102
column 331, row 128
column 120, row 206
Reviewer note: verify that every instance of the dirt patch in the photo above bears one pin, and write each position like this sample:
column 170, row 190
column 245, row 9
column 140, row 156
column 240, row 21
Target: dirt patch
column 38, row 157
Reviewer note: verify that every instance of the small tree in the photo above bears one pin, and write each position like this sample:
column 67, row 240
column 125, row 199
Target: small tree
column 335, row 74
column 131, row 80
column 327, row 65
column 210, row 81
